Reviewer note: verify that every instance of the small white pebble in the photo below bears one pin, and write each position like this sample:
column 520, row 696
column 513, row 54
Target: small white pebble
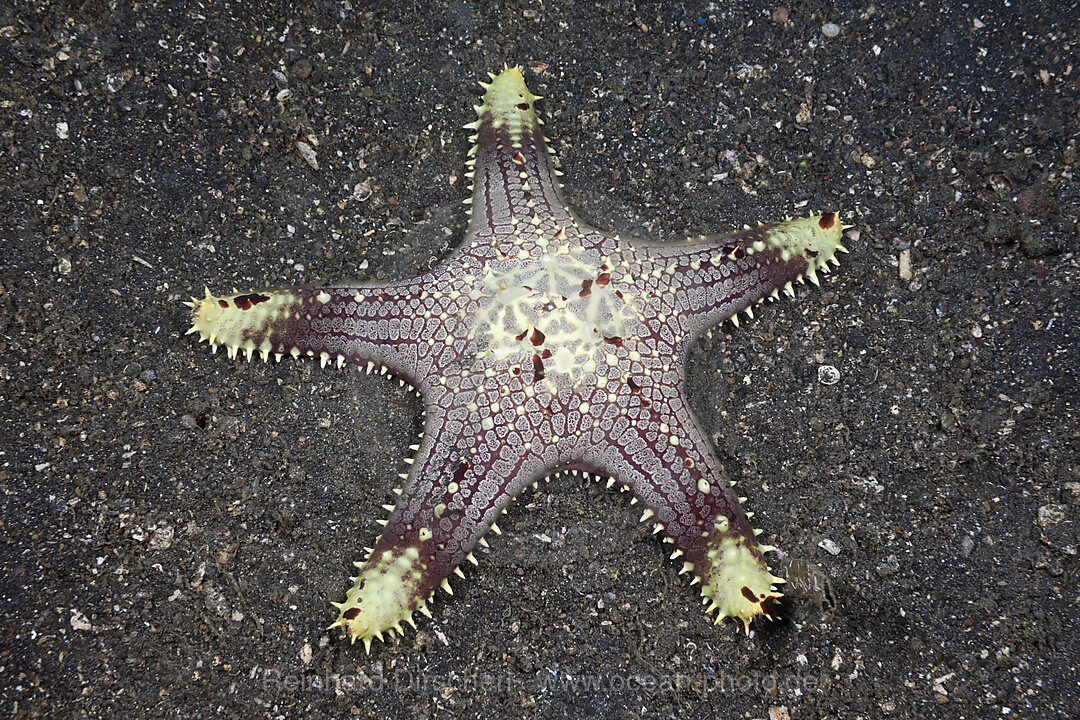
column 830, row 30
column 828, row 375
column 362, row 191
column 307, row 153
column 905, row 264
column 829, row 546
column 79, row 621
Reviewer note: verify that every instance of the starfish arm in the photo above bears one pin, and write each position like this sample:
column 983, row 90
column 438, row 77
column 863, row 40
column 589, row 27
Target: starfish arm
column 513, row 178
column 461, row 480
column 341, row 323
column 723, row 275
column 664, row 459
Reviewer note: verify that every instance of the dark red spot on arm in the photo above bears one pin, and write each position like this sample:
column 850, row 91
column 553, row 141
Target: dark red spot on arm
column 521, row 337
column 614, row 340
column 586, row 287
column 351, row 613
column 603, row 278
column 222, row 303
column 746, row 593
column 827, row 221
column 246, row 302
column 537, row 337
column 538, row 368
column 459, row 471
column 523, row 106
column 633, row 384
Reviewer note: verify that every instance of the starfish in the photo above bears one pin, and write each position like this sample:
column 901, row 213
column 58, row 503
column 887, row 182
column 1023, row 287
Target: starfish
column 541, row 345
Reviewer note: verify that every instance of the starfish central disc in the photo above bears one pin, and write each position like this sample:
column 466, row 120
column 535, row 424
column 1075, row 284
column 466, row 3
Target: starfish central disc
column 553, row 316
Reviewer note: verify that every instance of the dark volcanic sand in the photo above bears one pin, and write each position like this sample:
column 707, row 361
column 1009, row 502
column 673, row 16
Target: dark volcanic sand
column 174, row 524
